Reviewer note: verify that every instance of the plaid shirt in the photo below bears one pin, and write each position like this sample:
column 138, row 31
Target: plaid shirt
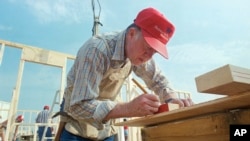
column 93, row 60
column 42, row 117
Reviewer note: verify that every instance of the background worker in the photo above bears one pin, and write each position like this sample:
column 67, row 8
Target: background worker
column 125, row 128
column 3, row 126
column 43, row 117
column 100, row 69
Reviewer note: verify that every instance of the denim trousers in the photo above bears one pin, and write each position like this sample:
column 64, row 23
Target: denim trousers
column 41, row 130
column 67, row 136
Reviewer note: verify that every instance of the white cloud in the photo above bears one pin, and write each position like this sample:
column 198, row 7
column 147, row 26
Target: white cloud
column 66, row 11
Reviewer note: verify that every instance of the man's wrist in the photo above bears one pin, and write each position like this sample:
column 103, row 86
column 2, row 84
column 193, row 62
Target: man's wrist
column 120, row 110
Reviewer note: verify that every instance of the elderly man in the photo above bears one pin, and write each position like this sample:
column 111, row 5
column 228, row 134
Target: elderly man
column 101, row 67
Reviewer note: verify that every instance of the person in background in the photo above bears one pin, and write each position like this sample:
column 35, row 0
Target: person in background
column 42, row 117
column 102, row 65
column 18, row 119
column 3, row 125
column 125, row 127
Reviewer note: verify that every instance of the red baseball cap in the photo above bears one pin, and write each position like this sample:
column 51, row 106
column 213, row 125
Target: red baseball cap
column 46, row 107
column 19, row 118
column 156, row 29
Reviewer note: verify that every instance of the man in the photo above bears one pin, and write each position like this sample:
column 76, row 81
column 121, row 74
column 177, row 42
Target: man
column 102, row 65
column 125, row 128
column 42, row 117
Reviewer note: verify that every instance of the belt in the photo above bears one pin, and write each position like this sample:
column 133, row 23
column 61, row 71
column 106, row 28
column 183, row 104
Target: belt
column 77, row 136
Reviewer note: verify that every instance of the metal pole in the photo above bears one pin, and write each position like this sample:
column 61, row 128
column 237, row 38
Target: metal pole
column 95, row 29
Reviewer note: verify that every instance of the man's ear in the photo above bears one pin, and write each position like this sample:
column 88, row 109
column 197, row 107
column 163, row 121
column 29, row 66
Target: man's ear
column 132, row 32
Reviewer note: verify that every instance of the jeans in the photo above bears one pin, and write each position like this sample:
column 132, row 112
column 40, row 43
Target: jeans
column 48, row 133
column 67, row 136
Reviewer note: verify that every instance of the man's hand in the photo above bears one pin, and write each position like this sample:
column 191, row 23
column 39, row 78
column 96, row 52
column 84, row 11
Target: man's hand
column 145, row 104
column 182, row 102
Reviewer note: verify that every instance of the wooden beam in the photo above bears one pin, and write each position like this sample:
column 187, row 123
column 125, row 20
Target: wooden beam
column 41, row 56
column 22, row 46
column 218, row 105
column 214, row 127
column 226, row 80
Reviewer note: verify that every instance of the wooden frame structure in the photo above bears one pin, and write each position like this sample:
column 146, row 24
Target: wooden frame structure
column 35, row 55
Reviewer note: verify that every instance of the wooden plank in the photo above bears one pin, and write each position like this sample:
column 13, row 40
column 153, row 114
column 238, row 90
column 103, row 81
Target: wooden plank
column 193, row 129
column 218, row 105
column 198, row 138
column 226, row 80
column 22, row 46
column 43, row 56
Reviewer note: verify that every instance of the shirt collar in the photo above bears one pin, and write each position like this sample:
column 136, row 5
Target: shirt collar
column 119, row 54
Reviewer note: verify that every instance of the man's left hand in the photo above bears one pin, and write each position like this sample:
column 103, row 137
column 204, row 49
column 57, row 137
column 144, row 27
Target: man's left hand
column 182, row 102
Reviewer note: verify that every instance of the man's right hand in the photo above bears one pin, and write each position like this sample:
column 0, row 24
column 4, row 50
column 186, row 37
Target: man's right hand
column 145, row 104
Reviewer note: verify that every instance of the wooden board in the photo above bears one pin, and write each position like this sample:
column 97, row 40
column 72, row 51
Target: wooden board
column 194, row 129
column 218, row 105
column 226, row 80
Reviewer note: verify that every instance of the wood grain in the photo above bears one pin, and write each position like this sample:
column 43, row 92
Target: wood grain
column 213, row 127
column 218, row 105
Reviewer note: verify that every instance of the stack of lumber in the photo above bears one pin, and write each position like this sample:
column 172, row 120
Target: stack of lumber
column 209, row 120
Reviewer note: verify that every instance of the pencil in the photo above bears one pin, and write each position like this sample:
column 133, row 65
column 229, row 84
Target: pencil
column 139, row 85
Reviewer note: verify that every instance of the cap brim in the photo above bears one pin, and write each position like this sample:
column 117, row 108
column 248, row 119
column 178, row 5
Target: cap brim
column 155, row 44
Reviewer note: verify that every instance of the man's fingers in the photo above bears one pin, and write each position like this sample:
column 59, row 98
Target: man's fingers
column 190, row 101
column 151, row 110
column 177, row 101
column 186, row 102
column 182, row 102
column 151, row 97
column 145, row 104
column 152, row 100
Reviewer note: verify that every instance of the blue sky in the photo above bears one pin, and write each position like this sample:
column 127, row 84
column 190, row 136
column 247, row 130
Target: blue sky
column 209, row 34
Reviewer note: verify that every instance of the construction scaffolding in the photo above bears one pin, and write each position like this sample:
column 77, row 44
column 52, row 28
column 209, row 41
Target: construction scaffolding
column 34, row 55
